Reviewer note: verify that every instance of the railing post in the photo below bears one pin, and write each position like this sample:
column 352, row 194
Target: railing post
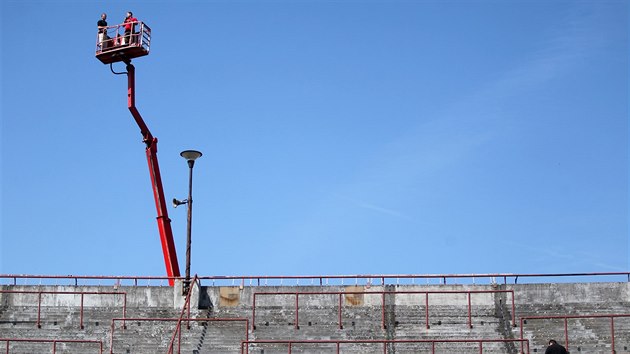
column 297, row 311
column 81, row 311
column 566, row 333
column 480, row 347
column 612, row 333
column 111, row 337
column 246, row 336
column 522, row 335
column 253, row 313
column 527, row 346
column 426, row 308
column 179, row 338
column 513, row 311
column 383, row 310
column 39, row 309
column 340, row 323
column 54, row 346
column 469, row 312
column 124, row 310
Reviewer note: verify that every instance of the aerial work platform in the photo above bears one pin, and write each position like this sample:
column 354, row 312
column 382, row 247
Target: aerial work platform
column 114, row 44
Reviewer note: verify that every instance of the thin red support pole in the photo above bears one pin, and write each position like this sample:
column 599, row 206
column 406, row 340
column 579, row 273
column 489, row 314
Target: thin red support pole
column 253, row 314
column 54, row 347
column 7, row 347
column 111, row 337
column 247, row 335
column 426, row 308
column 124, row 310
column 522, row 335
column 566, row 333
column 480, row 347
column 297, row 311
column 289, row 347
column 432, row 347
column 340, row 323
column 527, row 345
column 39, row 310
column 81, row 321
column 383, row 311
column 513, row 311
column 384, row 347
column 612, row 333
column 179, row 340
column 469, row 312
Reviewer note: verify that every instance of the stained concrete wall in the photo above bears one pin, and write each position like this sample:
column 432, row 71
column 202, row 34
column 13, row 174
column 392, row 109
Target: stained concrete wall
column 361, row 315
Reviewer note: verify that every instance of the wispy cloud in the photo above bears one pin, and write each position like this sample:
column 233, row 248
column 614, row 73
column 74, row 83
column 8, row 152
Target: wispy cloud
column 543, row 253
column 376, row 208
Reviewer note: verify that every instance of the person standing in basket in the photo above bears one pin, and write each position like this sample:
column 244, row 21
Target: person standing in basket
column 102, row 31
column 130, row 26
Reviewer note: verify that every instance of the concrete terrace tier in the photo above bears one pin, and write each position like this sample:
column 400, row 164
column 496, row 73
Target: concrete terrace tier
column 586, row 317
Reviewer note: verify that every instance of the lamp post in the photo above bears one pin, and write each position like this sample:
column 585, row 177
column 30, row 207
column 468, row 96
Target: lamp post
column 190, row 156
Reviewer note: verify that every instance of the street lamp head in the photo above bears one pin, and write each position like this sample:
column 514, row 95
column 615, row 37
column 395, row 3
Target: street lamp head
column 191, row 156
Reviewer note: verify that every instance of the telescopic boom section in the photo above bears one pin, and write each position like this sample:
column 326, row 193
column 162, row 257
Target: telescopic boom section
column 164, row 223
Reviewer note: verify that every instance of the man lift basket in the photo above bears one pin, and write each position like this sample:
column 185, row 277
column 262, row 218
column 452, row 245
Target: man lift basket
column 114, row 46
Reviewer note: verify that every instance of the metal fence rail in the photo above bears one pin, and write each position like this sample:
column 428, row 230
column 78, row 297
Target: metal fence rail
column 52, row 341
column 289, row 280
column 382, row 294
column 290, row 343
column 82, row 293
column 568, row 317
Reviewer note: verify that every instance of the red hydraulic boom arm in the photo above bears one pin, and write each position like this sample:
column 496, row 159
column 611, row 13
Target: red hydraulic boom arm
column 164, row 223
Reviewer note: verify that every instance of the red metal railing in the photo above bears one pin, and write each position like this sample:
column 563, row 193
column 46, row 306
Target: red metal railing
column 385, row 342
column 178, row 328
column 114, row 36
column 53, row 341
column 110, row 279
column 82, row 293
column 567, row 317
column 383, row 294
column 160, row 319
column 322, row 279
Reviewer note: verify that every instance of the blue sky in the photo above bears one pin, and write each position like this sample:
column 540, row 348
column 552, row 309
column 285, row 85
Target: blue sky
column 339, row 137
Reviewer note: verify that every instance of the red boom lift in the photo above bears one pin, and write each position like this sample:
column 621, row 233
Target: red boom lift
column 112, row 47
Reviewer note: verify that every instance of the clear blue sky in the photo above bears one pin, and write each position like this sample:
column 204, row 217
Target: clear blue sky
column 339, row 137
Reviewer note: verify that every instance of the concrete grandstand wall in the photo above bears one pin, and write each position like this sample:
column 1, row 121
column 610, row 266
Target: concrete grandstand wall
column 317, row 318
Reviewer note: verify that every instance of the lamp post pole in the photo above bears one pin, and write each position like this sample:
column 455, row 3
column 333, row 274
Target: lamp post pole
column 190, row 156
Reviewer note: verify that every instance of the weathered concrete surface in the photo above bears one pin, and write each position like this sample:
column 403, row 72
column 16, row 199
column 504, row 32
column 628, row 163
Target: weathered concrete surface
column 363, row 316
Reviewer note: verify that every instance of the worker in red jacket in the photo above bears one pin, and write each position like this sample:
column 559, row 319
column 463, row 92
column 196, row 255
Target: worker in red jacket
column 130, row 26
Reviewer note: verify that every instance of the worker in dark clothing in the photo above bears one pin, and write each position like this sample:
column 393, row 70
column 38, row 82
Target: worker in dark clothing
column 555, row 348
column 102, row 31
